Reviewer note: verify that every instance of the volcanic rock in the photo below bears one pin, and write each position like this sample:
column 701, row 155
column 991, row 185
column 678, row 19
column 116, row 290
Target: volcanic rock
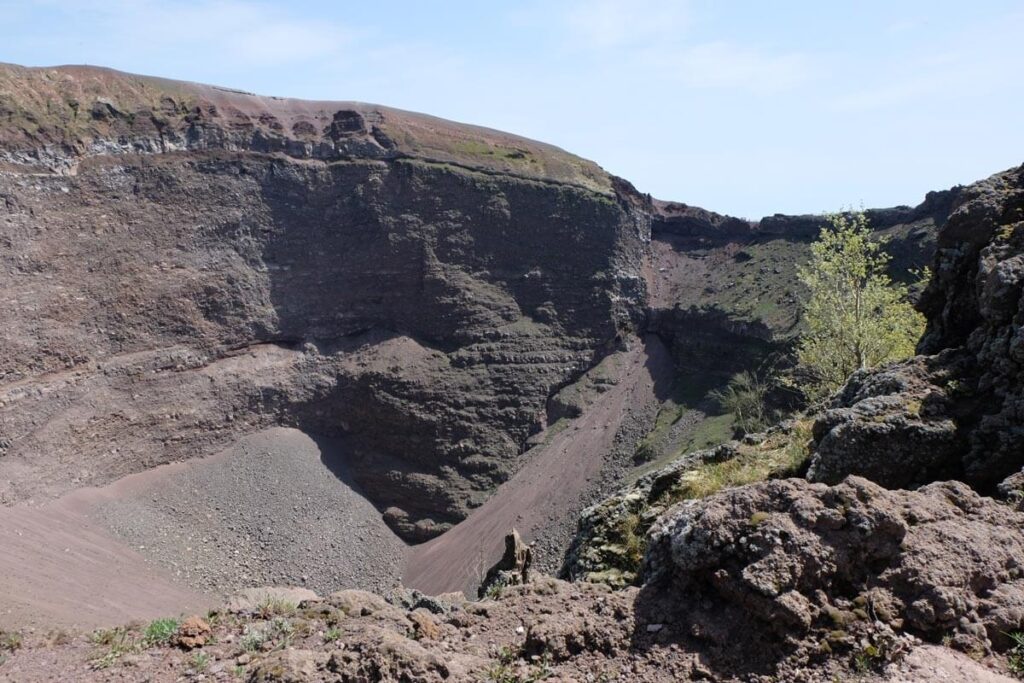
column 781, row 569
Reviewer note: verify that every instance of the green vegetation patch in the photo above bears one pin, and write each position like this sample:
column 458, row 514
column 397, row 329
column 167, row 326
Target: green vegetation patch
column 160, row 631
column 779, row 456
column 618, row 538
column 1015, row 656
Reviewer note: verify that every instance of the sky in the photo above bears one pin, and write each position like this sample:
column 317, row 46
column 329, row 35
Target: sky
column 746, row 107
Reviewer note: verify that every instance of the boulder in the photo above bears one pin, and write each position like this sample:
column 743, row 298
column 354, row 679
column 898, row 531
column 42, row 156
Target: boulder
column 895, row 426
column 513, row 569
column 790, row 568
column 424, row 625
column 193, row 632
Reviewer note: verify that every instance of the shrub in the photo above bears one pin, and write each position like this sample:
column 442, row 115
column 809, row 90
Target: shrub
column 10, row 640
column 115, row 643
column 855, row 316
column 200, row 661
column 253, row 638
column 275, row 607
column 744, row 397
column 1015, row 657
column 782, row 455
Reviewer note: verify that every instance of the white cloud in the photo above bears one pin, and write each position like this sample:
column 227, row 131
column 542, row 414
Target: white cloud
column 655, row 40
column 981, row 61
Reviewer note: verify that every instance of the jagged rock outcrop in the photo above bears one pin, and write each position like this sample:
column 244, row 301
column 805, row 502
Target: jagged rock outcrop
column 790, row 571
column 682, row 220
column 611, row 536
column 895, row 426
column 957, row 410
column 513, row 569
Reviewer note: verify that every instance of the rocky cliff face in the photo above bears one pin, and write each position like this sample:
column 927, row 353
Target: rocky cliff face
column 786, row 573
column 182, row 264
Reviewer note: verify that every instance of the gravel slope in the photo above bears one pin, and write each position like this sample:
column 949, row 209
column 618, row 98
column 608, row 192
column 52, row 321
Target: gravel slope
column 277, row 508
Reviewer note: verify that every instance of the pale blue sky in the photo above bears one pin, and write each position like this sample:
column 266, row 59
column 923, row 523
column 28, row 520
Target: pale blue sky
column 742, row 107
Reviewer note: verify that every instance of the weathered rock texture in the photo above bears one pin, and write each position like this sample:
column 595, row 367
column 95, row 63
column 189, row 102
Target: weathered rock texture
column 793, row 571
column 608, row 545
column 545, row 630
column 181, row 264
column 957, row 411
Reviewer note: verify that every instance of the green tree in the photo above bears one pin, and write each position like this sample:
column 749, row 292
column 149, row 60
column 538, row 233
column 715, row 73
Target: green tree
column 855, row 316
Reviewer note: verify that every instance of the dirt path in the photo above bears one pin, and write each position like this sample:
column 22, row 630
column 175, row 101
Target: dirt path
column 558, row 473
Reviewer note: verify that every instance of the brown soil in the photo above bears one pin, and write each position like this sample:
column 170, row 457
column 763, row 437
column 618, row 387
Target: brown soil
column 160, row 542
column 548, row 630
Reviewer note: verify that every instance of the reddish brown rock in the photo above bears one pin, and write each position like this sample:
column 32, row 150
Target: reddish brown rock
column 193, row 632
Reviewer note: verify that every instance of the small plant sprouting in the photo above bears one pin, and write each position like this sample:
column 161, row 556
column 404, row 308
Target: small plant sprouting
column 10, row 640
column 275, row 607
column 116, row 641
column 253, row 638
column 282, row 630
column 160, row 632
column 504, row 672
column 200, row 661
